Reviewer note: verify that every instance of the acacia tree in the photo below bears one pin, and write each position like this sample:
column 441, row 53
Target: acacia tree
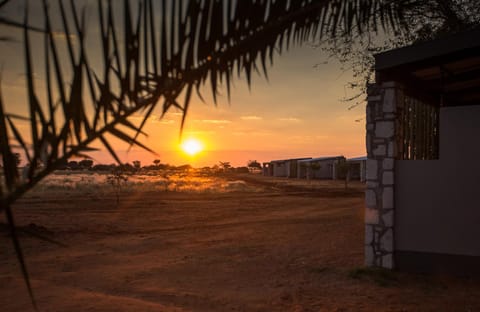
column 225, row 165
column 254, row 164
column 137, row 164
column 155, row 55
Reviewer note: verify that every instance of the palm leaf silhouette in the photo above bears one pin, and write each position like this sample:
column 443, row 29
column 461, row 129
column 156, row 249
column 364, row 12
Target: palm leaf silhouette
column 155, row 54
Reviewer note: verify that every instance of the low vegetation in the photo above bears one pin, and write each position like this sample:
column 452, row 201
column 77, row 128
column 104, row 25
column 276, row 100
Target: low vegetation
column 381, row 277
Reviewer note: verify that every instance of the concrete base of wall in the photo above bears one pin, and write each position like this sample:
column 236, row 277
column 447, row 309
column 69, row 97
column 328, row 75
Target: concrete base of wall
column 424, row 262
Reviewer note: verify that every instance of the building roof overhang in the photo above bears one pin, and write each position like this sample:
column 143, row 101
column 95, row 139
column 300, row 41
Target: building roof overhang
column 445, row 71
column 362, row 158
column 321, row 159
column 289, row 159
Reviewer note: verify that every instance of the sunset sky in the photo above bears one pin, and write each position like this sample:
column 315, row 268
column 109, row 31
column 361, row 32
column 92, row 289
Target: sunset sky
column 298, row 112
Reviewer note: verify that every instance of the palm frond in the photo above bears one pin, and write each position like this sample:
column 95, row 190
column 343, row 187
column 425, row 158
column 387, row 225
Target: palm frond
column 150, row 55
column 19, row 252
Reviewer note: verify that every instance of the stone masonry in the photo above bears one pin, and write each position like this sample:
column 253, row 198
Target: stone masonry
column 384, row 105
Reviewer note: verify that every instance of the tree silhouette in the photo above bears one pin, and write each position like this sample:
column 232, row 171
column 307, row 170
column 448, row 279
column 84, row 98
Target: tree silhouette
column 137, row 164
column 86, row 163
column 254, row 164
column 18, row 159
column 73, row 164
column 225, row 165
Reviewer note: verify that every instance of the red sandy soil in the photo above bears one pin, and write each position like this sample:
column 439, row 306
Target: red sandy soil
column 275, row 250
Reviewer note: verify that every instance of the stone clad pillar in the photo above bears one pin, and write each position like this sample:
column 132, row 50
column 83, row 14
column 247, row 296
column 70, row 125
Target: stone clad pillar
column 363, row 164
column 384, row 106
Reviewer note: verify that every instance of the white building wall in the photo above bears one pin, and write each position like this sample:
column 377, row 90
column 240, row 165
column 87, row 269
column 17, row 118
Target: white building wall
column 279, row 169
column 437, row 201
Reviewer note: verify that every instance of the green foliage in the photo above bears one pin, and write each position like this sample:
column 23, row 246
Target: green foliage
column 381, row 277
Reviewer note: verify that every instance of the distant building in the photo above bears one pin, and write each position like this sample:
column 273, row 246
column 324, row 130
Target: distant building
column 279, row 167
column 282, row 167
column 291, row 166
column 358, row 168
column 267, row 169
column 318, row 168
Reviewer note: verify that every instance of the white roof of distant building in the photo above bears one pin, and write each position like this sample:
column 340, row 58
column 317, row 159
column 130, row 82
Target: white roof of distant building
column 357, row 158
column 290, row 159
column 321, row 158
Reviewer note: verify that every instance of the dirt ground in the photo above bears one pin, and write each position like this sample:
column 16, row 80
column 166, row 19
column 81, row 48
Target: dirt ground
column 283, row 248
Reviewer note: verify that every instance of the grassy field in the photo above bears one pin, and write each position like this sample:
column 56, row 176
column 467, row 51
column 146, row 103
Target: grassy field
column 208, row 243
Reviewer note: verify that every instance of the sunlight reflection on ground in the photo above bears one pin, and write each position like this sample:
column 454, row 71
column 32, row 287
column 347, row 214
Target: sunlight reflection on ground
column 163, row 181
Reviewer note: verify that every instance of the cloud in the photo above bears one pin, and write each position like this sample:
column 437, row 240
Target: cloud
column 308, row 138
column 187, row 133
column 164, row 121
column 262, row 134
column 152, row 119
column 252, row 117
column 251, row 133
column 174, row 113
column 214, row 121
column 290, row 119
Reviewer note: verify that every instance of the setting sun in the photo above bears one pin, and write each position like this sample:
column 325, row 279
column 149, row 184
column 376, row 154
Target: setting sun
column 192, row 146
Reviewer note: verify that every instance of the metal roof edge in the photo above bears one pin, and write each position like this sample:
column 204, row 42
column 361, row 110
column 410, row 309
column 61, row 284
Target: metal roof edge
column 290, row 159
column 425, row 50
column 323, row 158
column 357, row 158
